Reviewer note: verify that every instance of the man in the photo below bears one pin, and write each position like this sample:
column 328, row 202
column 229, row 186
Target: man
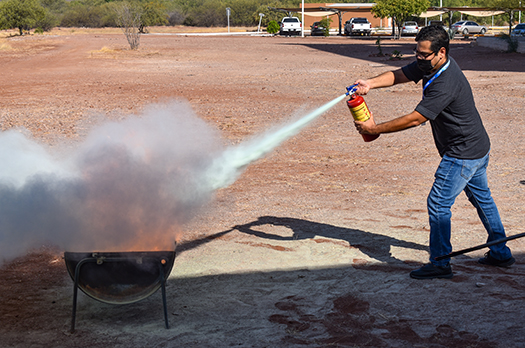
column 460, row 138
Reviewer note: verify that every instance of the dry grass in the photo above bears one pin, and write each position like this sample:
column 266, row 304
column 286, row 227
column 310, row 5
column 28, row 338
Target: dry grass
column 119, row 53
column 158, row 29
column 4, row 46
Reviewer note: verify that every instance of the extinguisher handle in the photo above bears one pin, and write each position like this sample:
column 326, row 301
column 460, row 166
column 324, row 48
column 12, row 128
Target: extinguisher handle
column 351, row 89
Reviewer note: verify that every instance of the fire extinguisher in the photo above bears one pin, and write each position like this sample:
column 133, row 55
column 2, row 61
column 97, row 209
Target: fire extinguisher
column 359, row 110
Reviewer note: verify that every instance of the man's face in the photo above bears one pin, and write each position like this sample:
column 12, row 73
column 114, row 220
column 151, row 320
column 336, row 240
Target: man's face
column 423, row 51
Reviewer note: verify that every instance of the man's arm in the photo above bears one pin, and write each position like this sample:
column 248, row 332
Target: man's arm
column 398, row 124
column 386, row 79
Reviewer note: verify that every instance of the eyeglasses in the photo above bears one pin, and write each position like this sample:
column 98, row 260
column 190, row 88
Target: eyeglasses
column 423, row 55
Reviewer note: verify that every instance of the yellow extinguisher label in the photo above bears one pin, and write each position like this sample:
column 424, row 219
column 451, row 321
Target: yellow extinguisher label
column 360, row 113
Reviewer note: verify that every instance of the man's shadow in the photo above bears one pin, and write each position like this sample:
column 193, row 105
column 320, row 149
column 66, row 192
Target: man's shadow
column 376, row 246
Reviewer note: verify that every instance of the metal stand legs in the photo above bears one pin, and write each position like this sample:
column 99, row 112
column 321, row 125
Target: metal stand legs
column 75, row 289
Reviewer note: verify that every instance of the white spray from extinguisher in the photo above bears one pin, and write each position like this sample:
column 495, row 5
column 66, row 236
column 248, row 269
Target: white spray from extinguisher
column 226, row 168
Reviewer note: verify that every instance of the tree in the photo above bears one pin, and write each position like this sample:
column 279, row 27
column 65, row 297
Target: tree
column 128, row 19
column 399, row 10
column 509, row 6
column 83, row 13
column 21, row 14
column 210, row 14
column 243, row 12
column 56, row 6
column 269, row 14
column 153, row 13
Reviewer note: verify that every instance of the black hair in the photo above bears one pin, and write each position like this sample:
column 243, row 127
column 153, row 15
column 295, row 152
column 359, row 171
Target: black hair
column 437, row 36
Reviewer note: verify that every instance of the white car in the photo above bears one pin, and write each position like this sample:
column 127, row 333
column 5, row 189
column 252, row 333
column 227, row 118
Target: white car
column 409, row 28
column 290, row 26
column 358, row 25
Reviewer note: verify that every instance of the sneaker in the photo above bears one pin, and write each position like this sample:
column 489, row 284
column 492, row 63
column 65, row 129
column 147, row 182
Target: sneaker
column 491, row 261
column 430, row 271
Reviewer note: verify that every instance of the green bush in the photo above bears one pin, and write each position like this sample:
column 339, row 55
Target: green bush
column 176, row 18
column 209, row 14
column 273, row 27
column 47, row 22
column 325, row 23
column 81, row 14
column 21, row 14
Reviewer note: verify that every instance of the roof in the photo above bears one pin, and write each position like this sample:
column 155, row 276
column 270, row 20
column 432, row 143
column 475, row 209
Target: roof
column 319, row 10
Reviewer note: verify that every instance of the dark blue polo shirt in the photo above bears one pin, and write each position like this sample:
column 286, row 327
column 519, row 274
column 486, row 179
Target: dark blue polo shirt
column 449, row 105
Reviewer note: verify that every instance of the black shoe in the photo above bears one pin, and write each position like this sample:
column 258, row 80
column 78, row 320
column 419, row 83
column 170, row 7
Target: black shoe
column 430, row 271
column 489, row 260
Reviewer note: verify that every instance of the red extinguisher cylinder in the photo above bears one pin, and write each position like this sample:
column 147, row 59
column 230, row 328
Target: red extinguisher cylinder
column 361, row 113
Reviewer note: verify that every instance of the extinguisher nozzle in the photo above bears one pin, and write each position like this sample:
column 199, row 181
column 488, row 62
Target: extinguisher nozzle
column 351, row 89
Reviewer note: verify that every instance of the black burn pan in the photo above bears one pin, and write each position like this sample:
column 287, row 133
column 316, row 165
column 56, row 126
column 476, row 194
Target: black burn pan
column 119, row 277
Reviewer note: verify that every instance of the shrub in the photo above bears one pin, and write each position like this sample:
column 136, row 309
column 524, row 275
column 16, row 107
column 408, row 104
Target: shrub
column 47, row 22
column 273, row 27
column 81, row 15
column 325, row 23
column 176, row 18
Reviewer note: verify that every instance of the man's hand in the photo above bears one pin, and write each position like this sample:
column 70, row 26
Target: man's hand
column 367, row 127
column 398, row 124
column 363, row 86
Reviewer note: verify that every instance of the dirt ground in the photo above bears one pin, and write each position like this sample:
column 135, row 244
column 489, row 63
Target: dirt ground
column 312, row 245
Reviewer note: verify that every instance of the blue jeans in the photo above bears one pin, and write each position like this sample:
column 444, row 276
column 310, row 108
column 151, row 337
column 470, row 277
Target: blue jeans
column 453, row 176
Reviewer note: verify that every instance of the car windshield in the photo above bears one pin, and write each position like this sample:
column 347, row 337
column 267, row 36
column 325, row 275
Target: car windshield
column 360, row 20
column 459, row 23
column 411, row 23
column 291, row 19
column 520, row 26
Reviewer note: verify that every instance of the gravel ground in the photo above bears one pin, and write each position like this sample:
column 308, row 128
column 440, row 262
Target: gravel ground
column 312, row 245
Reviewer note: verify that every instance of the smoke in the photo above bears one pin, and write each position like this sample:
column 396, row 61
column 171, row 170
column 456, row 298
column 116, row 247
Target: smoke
column 128, row 186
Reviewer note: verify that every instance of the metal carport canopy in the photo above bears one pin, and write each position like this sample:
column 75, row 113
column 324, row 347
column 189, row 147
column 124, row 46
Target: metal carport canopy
column 431, row 12
column 318, row 13
column 470, row 11
column 327, row 10
column 336, row 8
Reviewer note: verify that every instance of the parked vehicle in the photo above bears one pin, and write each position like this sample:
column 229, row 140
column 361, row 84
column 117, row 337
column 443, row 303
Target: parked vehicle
column 409, row 28
column 358, row 26
column 317, row 29
column 468, row 27
column 440, row 23
column 290, row 26
column 436, row 23
column 519, row 30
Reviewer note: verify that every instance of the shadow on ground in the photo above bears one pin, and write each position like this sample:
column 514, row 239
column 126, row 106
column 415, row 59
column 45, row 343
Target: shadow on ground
column 376, row 246
column 362, row 305
column 467, row 54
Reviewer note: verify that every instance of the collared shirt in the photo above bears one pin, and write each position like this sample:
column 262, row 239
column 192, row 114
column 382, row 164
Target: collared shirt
column 449, row 105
